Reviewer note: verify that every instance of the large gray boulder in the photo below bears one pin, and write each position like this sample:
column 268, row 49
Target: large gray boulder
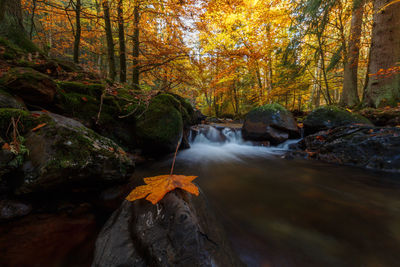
column 178, row 231
column 64, row 152
column 270, row 122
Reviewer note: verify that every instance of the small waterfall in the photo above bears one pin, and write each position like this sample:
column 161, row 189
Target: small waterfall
column 207, row 134
column 220, row 143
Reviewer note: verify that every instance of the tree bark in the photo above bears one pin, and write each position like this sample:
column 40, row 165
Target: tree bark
column 383, row 87
column 136, row 44
column 110, row 41
column 78, row 30
column 349, row 95
column 122, row 47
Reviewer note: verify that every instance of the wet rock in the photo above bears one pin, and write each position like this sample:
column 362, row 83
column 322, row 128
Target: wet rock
column 32, row 86
column 364, row 146
column 329, row 117
column 270, row 122
column 64, row 152
column 10, row 209
column 179, row 231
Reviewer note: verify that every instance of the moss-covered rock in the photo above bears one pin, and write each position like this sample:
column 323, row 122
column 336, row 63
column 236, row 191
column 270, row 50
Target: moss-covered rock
column 32, row 86
column 328, row 117
column 9, row 51
column 188, row 113
column 382, row 116
column 66, row 153
column 26, row 121
column 94, row 90
column 271, row 122
column 161, row 126
column 8, row 101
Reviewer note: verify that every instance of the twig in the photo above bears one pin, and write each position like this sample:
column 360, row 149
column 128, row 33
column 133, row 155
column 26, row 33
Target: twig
column 176, row 152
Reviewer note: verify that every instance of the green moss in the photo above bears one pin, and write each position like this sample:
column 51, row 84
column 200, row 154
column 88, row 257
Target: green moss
column 333, row 116
column 188, row 114
column 162, row 123
column 11, row 51
column 274, row 107
column 95, row 90
column 26, row 120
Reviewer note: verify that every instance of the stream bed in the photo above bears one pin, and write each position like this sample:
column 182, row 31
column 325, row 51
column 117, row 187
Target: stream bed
column 280, row 212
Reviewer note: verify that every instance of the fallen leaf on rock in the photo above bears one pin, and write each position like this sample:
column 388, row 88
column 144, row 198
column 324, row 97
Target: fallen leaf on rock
column 157, row 187
column 38, row 127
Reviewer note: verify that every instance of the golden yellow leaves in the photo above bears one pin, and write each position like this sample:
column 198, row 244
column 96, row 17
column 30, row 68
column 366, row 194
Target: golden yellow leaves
column 157, row 187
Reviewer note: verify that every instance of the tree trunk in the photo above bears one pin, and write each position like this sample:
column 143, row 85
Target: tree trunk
column 384, row 82
column 110, row 41
column 122, row 48
column 136, row 44
column 78, row 30
column 349, row 95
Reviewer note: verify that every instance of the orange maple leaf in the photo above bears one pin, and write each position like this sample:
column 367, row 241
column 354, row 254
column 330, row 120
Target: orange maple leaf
column 157, row 187
column 38, row 127
column 84, row 99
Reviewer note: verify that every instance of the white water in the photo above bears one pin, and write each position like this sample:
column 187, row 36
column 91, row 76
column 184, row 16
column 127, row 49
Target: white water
column 212, row 144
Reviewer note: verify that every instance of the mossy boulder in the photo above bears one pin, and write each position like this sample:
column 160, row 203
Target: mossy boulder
column 161, row 127
column 188, row 113
column 271, row 122
column 25, row 121
column 91, row 89
column 65, row 154
column 9, row 101
column 9, row 51
column 32, row 86
column 328, row 117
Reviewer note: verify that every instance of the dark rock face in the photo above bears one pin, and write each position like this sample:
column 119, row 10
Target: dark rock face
column 178, row 231
column 65, row 152
column 364, row 146
column 8, row 101
column 32, row 86
column 329, row 117
column 271, row 123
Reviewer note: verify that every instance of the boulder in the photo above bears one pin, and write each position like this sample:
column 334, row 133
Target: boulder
column 382, row 117
column 364, row 146
column 65, row 153
column 32, row 86
column 178, row 231
column 328, row 117
column 270, row 122
column 8, row 101
column 10, row 209
column 161, row 127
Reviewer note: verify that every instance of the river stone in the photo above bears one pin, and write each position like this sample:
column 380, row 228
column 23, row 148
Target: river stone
column 32, row 86
column 328, row 117
column 178, row 231
column 364, row 146
column 64, row 152
column 272, row 123
column 10, row 209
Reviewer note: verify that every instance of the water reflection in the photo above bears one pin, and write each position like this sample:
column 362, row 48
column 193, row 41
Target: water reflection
column 294, row 212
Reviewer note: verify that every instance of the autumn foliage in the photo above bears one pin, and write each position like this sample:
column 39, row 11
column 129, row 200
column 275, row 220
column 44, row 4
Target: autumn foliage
column 156, row 187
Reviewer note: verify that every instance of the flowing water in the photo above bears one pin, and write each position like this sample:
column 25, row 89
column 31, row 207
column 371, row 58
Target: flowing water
column 281, row 212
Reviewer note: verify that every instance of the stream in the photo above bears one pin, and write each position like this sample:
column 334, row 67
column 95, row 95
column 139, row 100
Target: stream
column 280, row 212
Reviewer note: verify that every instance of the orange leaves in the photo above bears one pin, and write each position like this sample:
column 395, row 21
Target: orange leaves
column 84, row 99
column 157, row 187
column 38, row 127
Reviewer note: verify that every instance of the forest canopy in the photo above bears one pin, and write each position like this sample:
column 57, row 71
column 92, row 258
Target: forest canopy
column 228, row 56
